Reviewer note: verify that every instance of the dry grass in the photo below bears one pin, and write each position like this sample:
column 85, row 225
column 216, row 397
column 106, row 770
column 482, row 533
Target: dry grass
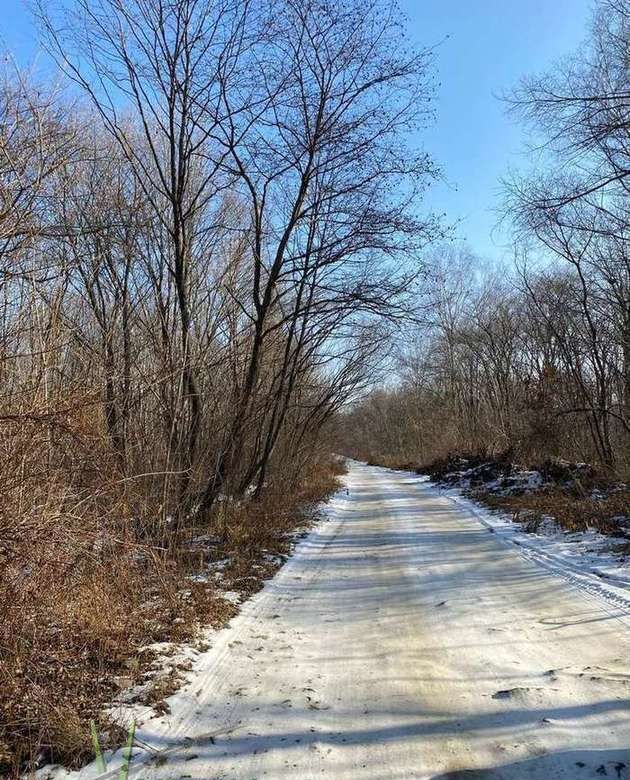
column 73, row 624
column 571, row 511
column 258, row 536
column 87, row 582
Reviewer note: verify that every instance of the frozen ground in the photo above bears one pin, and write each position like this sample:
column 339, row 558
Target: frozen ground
column 410, row 636
column 588, row 559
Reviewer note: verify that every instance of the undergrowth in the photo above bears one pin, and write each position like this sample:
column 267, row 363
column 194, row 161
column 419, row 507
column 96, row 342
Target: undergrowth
column 570, row 511
column 89, row 580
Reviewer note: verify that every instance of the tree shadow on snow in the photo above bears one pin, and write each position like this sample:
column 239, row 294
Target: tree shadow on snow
column 566, row 765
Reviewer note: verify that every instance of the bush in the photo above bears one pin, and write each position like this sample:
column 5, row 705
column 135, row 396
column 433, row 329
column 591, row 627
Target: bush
column 90, row 576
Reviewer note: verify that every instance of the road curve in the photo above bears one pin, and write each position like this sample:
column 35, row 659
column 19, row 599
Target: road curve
column 403, row 640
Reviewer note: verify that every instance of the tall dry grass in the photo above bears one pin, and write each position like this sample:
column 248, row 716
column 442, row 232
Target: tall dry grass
column 90, row 576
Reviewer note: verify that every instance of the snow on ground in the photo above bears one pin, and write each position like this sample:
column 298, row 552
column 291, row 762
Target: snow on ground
column 587, row 558
column 409, row 637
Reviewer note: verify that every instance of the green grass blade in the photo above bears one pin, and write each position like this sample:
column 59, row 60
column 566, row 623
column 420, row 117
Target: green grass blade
column 100, row 761
column 124, row 769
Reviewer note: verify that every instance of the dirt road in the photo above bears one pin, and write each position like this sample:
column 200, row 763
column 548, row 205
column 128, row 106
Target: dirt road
column 404, row 640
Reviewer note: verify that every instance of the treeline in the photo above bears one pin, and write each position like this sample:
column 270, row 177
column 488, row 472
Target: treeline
column 534, row 361
column 202, row 253
column 528, row 365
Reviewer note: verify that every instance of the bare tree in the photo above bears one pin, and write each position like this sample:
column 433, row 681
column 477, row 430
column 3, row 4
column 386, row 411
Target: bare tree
column 170, row 63
column 330, row 185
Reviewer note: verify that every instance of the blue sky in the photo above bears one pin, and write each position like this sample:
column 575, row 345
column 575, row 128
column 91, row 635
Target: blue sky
column 490, row 44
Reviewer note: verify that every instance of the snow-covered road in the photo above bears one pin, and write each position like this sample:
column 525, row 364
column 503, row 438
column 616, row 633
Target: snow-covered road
column 405, row 640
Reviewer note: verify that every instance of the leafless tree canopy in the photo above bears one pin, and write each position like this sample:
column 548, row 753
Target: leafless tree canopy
column 204, row 254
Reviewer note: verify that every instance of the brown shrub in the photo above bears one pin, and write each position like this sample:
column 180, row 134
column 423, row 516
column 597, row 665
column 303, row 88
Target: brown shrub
column 89, row 577
column 571, row 511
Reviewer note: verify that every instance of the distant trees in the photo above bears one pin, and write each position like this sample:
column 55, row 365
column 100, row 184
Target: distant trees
column 527, row 364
